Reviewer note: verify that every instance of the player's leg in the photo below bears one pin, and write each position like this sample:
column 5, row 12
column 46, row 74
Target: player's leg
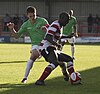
column 62, row 64
column 64, row 71
column 33, row 57
column 53, row 64
column 75, row 77
column 72, row 43
column 66, row 58
column 47, row 71
column 73, row 50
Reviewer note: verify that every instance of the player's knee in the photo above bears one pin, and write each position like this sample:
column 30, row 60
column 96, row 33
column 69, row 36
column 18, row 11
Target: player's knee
column 52, row 66
column 62, row 64
column 69, row 64
column 71, row 59
column 34, row 57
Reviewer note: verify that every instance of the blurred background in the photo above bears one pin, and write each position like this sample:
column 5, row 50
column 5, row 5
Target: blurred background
column 15, row 11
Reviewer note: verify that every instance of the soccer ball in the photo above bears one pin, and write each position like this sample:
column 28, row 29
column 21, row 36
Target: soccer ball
column 75, row 78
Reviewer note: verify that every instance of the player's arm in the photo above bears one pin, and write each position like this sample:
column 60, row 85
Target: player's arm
column 50, row 39
column 75, row 29
column 11, row 28
column 44, row 28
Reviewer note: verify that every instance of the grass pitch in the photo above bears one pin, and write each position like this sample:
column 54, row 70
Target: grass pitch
column 13, row 58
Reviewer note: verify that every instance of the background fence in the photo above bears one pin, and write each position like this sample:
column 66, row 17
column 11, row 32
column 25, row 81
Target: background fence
column 50, row 10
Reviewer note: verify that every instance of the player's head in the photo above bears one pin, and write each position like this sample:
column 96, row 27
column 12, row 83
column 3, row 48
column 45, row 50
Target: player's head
column 63, row 18
column 71, row 12
column 31, row 12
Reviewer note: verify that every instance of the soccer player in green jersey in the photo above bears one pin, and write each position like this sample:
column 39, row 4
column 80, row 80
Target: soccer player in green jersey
column 70, row 30
column 34, row 26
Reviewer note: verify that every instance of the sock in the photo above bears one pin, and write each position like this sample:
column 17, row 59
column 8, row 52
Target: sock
column 73, row 50
column 70, row 67
column 45, row 74
column 28, row 67
column 63, row 67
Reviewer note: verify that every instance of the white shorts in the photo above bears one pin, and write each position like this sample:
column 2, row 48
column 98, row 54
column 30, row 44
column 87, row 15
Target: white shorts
column 37, row 48
column 70, row 40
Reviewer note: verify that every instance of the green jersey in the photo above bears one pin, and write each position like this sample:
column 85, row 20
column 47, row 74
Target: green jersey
column 35, row 33
column 68, row 29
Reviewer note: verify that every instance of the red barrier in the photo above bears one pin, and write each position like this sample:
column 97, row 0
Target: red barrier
column 83, row 30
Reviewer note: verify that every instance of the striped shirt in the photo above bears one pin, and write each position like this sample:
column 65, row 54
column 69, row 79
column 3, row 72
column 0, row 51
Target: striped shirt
column 55, row 30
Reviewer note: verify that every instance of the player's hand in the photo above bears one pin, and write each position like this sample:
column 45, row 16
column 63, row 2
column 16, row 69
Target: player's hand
column 10, row 25
column 70, row 36
column 43, row 28
column 76, row 35
column 59, row 47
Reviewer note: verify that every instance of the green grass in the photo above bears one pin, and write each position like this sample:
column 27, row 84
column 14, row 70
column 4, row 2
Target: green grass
column 13, row 58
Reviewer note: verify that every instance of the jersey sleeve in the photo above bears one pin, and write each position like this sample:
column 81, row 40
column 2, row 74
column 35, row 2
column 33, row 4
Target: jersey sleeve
column 22, row 29
column 45, row 23
column 75, row 20
column 52, row 29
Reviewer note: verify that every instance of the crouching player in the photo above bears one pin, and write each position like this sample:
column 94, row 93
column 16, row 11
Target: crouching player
column 50, row 50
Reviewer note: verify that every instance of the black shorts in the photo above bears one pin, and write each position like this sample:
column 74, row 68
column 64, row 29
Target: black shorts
column 51, row 55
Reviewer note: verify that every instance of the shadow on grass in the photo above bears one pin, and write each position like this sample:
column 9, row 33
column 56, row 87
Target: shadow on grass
column 90, row 80
column 18, row 61
column 12, row 62
column 87, row 44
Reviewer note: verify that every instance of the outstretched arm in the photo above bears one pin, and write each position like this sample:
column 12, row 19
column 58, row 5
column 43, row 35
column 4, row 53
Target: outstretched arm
column 11, row 28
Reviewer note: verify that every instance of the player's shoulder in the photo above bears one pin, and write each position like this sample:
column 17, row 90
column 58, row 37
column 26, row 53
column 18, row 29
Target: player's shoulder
column 73, row 17
column 41, row 18
column 55, row 22
column 25, row 23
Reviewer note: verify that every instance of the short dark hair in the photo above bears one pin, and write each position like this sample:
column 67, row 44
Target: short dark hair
column 63, row 16
column 71, row 12
column 31, row 9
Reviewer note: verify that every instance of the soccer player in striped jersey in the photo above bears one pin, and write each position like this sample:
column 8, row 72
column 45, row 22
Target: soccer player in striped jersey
column 33, row 26
column 50, row 48
column 70, row 29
